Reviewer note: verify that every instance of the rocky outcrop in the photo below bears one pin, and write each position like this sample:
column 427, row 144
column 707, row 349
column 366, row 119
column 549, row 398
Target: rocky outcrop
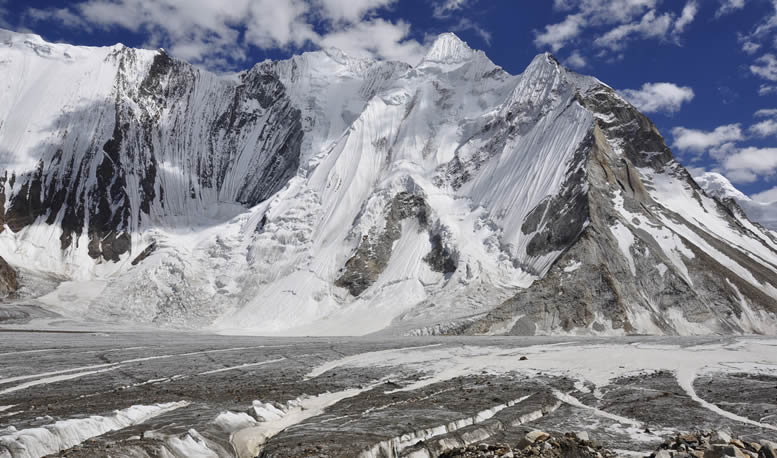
column 373, row 254
column 713, row 444
column 8, row 282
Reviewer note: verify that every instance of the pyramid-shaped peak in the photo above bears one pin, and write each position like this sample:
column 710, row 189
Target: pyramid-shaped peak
column 448, row 48
column 544, row 59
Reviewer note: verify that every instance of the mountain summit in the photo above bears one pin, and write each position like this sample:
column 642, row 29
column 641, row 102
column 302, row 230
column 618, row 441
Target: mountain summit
column 327, row 195
column 448, row 48
column 718, row 186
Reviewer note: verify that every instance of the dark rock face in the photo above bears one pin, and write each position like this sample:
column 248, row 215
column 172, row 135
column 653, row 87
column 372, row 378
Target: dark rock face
column 442, row 258
column 374, row 251
column 8, row 282
column 373, row 254
column 26, row 206
column 645, row 145
column 115, row 186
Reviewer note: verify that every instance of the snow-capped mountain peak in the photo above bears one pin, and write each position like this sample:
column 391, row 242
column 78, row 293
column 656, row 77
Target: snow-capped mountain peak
column 448, row 48
column 544, row 59
column 716, row 185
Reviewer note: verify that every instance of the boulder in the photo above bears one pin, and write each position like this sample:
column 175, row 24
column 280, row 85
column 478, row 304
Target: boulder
column 768, row 449
column 532, row 438
column 582, row 435
column 720, row 437
column 723, row 451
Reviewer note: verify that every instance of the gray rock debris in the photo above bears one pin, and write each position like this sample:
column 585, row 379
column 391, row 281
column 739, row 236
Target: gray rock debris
column 537, row 444
column 715, row 444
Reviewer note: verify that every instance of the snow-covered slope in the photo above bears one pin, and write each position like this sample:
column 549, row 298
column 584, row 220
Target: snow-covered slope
column 327, row 194
column 716, row 185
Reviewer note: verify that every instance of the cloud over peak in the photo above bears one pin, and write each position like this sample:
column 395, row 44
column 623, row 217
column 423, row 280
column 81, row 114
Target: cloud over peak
column 216, row 34
column 659, row 97
column 613, row 23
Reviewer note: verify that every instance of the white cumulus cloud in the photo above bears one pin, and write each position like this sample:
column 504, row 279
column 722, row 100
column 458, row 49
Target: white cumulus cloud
column 686, row 17
column 555, row 36
column 652, row 25
column 764, row 128
column 699, row 141
column 576, row 60
column 766, row 89
column 659, row 97
column 766, row 113
column 729, row 6
column 749, row 164
column 376, row 38
column 622, row 21
column 767, row 197
column 765, row 67
column 217, row 33
column 445, row 8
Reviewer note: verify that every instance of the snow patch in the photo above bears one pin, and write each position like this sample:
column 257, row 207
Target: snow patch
column 573, row 266
column 625, row 241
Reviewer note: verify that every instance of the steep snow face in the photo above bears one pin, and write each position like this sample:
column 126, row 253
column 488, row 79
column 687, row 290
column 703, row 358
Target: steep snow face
column 448, row 49
column 544, row 127
column 327, row 194
column 331, row 89
column 718, row 186
column 100, row 143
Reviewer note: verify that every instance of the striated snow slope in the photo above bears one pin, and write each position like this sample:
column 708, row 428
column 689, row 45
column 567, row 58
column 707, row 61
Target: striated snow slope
column 327, row 194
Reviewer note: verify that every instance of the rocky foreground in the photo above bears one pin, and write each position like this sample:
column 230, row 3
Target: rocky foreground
column 716, row 444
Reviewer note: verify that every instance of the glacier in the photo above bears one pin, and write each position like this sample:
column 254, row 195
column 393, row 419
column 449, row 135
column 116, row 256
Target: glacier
column 332, row 195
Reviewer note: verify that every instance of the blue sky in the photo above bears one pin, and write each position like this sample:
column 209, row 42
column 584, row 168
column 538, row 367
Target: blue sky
column 705, row 71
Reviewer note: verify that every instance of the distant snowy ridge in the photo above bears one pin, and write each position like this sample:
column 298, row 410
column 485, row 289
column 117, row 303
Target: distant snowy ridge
column 329, row 195
column 716, row 185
